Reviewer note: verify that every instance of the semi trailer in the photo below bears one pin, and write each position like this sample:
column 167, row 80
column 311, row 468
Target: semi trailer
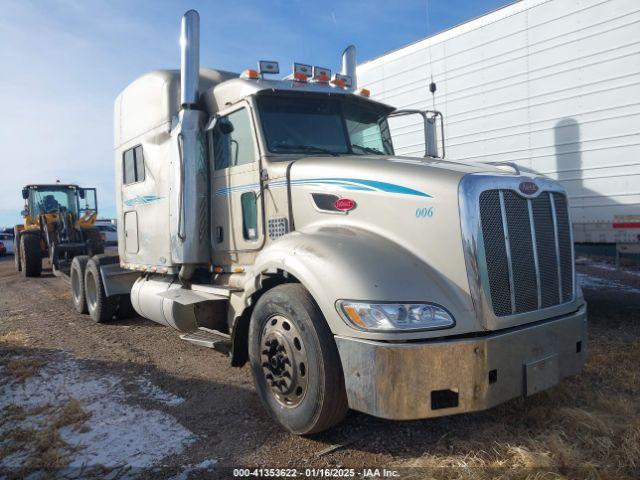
column 270, row 219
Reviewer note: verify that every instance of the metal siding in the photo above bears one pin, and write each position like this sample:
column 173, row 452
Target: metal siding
column 551, row 85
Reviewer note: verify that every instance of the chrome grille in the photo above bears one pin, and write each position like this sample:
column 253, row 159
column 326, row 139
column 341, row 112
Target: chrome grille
column 527, row 249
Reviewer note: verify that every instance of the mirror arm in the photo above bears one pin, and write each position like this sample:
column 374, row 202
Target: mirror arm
column 424, row 114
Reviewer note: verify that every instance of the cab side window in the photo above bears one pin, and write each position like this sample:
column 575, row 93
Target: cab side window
column 133, row 165
column 233, row 140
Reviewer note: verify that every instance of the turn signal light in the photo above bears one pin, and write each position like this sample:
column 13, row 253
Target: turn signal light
column 250, row 73
column 321, row 75
column 302, row 71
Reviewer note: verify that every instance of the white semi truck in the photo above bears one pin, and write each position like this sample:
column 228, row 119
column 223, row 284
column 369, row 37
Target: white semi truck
column 270, row 219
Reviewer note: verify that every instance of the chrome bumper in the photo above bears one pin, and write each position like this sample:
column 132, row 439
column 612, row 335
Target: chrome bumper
column 405, row 381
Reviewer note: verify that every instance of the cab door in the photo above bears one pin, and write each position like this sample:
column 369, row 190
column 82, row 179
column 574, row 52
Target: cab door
column 236, row 213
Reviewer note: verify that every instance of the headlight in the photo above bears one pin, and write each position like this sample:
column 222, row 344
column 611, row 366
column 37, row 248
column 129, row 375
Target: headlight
column 395, row 316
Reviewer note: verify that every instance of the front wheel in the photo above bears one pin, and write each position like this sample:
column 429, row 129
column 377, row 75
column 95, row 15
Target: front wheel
column 30, row 255
column 294, row 361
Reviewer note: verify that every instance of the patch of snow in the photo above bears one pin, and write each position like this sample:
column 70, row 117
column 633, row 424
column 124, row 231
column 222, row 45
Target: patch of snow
column 118, row 433
column 590, row 282
column 612, row 268
column 206, row 466
column 153, row 392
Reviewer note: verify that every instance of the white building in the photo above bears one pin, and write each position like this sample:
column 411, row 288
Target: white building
column 552, row 85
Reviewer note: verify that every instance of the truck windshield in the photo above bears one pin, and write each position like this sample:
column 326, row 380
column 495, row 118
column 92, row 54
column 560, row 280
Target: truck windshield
column 52, row 200
column 324, row 125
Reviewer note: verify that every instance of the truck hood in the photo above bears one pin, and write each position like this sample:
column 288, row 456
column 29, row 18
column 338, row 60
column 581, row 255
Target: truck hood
column 402, row 239
column 407, row 178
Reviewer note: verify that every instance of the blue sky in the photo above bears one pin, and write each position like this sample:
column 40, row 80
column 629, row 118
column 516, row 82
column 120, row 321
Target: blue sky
column 65, row 61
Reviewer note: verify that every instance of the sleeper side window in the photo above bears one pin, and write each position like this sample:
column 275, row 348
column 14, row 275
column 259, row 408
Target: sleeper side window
column 233, row 140
column 133, row 165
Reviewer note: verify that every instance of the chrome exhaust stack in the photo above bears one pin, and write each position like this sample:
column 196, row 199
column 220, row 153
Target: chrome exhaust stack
column 189, row 59
column 349, row 65
column 188, row 199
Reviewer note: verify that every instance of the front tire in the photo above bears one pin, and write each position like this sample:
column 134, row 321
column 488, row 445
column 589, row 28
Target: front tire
column 30, row 255
column 100, row 307
column 78, row 295
column 295, row 363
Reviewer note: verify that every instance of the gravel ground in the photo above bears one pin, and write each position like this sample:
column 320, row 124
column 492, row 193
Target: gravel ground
column 588, row 425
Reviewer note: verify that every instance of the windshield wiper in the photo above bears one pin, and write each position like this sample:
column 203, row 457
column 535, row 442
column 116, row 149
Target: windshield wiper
column 306, row 148
column 367, row 149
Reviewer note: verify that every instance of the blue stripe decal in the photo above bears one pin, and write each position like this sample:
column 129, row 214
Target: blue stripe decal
column 141, row 200
column 358, row 184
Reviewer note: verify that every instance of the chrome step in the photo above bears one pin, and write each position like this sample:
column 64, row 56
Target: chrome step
column 205, row 337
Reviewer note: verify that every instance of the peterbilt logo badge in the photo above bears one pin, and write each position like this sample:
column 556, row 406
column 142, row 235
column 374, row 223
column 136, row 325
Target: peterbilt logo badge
column 344, row 204
column 528, row 188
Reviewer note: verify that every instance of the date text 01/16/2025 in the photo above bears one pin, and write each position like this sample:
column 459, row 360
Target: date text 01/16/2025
column 315, row 473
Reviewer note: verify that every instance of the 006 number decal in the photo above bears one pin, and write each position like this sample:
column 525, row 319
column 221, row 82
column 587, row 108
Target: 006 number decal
column 424, row 212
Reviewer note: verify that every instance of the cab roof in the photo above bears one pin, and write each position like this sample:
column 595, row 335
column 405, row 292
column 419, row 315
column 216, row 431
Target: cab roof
column 232, row 91
column 53, row 185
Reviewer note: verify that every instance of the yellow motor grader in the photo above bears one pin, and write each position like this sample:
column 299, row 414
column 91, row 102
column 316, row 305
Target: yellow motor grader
column 59, row 225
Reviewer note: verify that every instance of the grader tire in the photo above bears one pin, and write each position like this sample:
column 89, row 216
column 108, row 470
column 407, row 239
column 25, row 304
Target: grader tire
column 30, row 255
column 95, row 245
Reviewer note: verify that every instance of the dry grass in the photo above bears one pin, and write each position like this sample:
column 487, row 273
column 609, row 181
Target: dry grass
column 588, row 427
column 22, row 368
column 41, row 443
column 13, row 339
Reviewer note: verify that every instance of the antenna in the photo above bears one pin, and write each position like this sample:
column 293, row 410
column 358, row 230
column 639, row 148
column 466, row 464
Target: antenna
column 432, row 84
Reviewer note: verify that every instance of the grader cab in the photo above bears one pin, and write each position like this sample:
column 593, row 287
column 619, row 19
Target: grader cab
column 59, row 225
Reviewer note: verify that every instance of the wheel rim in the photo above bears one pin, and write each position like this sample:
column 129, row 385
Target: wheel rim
column 90, row 289
column 284, row 361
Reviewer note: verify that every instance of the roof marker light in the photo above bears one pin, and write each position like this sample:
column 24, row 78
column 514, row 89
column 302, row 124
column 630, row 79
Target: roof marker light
column 364, row 92
column 321, row 75
column 301, row 72
column 266, row 66
column 344, row 81
column 250, row 73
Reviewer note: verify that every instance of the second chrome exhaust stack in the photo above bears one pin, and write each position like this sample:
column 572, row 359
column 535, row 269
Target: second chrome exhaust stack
column 189, row 59
column 349, row 65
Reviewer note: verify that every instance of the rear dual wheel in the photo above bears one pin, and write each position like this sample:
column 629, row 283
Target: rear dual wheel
column 88, row 292
column 78, row 294
column 101, row 307
column 295, row 362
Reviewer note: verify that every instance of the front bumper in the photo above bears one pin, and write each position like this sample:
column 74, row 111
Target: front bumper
column 406, row 381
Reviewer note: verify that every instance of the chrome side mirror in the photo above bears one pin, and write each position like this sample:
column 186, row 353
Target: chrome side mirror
column 430, row 120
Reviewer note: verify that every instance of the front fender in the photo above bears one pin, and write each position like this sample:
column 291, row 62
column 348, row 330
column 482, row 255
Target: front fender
column 344, row 262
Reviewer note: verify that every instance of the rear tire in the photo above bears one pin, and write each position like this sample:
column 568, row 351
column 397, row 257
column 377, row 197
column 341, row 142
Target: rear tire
column 30, row 255
column 78, row 295
column 100, row 307
column 295, row 363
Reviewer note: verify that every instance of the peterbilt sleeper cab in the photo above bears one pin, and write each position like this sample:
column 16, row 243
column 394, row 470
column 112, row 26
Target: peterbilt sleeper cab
column 270, row 218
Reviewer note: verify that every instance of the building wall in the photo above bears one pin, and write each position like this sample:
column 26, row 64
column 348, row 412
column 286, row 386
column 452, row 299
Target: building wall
column 552, row 85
